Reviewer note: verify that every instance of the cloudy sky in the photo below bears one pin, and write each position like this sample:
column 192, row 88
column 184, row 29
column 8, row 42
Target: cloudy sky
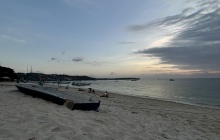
column 144, row 38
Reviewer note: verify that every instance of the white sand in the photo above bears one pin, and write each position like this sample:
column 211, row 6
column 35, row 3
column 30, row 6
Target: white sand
column 120, row 117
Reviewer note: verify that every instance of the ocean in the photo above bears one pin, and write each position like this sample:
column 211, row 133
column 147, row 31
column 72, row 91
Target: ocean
column 203, row 92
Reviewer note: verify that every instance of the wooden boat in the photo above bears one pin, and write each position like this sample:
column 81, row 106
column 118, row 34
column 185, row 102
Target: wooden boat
column 79, row 101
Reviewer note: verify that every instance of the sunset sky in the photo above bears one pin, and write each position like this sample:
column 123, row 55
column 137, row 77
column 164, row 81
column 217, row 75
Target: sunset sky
column 112, row 38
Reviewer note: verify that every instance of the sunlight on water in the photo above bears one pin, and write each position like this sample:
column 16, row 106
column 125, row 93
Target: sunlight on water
column 193, row 91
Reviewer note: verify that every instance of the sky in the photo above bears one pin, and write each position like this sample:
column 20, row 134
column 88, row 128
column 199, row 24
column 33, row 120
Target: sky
column 112, row 38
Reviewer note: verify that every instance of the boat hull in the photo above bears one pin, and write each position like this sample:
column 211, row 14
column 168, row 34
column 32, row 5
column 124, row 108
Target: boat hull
column 56, row 98
column 44, row 96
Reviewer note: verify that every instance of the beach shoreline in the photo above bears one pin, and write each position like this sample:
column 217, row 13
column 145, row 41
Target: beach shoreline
column 100, row 92
column 119, row 117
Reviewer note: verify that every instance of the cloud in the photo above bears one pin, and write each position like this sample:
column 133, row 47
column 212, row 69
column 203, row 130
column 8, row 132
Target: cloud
column 126, row 42
column 53, row 59
column 94, row 63
column 179, row 22
column 9, row 38
column 200, row 57
column 78, row 59
column 196, row 44
column 63, row 52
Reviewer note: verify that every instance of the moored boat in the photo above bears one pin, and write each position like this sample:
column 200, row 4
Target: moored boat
column 80, row 84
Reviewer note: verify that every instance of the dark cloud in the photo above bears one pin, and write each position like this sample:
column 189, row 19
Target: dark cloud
column 93, row 63
column 200, row 57
column 142, row 27
column 52, row 59
column 78, row 59
column 196, row 45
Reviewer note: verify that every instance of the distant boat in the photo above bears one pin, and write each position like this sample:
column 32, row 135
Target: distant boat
column 80, row 84
column 171, row 80
column 73, row 100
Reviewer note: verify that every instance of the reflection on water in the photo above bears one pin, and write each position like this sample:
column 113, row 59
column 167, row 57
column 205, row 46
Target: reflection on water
column 195, row 91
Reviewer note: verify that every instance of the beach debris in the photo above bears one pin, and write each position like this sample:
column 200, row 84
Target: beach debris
column 69, row 104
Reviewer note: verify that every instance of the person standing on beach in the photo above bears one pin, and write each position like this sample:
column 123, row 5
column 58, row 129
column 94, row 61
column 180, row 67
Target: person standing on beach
column 41, row 82
column 58, row 82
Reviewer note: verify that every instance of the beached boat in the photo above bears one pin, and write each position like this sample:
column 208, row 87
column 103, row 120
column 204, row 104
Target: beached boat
column 78, row 101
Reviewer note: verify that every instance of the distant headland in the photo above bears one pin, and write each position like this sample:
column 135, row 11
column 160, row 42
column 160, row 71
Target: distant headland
column 64, row 77
column 7, row 74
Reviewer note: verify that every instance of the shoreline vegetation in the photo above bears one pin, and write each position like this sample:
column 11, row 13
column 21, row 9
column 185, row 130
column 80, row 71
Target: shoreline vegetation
column 8, row 74
column 119, row 117
column 64, row 77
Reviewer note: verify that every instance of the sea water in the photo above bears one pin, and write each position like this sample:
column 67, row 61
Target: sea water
column 205, row 92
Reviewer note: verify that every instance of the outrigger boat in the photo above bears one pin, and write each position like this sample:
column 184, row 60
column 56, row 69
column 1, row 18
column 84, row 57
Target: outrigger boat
column 72, row 100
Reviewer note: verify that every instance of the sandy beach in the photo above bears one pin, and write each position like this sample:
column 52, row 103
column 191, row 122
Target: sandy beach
column 119, row 117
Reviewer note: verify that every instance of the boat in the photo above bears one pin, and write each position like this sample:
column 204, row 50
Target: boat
column 65, row 82
column 61, row 97
column 171, row 80
column 80, row 84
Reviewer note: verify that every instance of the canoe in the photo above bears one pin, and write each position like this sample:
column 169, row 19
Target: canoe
column 79, row 101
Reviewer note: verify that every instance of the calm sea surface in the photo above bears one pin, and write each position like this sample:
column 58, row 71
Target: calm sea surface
column 204, row 92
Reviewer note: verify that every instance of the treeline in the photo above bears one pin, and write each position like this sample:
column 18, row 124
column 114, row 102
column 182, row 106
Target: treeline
column 63, row 77
column 52, row 77
column 7, row 74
